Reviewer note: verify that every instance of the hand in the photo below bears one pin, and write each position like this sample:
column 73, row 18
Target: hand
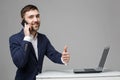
column 27, row 30
column 65, row 55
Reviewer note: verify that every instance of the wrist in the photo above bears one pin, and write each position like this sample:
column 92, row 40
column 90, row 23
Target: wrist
column 64, row 62
column 28, row 38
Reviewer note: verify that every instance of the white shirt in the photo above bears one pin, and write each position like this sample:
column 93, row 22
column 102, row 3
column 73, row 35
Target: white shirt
column 34, row 41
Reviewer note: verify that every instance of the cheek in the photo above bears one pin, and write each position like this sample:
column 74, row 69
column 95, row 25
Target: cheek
column 29, row 22
column 38, row 19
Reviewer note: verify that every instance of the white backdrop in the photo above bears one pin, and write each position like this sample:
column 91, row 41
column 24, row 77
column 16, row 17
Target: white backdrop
column 85, row 26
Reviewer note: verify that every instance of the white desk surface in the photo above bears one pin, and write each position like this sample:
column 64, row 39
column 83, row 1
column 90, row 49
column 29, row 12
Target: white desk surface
column 69, row 74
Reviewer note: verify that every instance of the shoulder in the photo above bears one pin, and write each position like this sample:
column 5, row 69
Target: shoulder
column 43, row 37
column 17, row 36
column 40, row 35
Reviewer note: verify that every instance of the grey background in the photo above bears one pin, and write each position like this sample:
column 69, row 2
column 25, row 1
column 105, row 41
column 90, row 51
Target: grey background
column 85, row 26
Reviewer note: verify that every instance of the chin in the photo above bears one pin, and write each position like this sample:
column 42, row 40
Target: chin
column 35, row 28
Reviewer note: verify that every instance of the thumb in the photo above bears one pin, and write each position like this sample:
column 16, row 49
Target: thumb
column 65, row 48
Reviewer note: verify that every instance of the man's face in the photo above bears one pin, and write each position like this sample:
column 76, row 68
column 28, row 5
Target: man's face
column 32, row 17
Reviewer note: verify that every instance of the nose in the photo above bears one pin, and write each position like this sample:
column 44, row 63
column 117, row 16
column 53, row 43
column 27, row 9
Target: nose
column 35, row 19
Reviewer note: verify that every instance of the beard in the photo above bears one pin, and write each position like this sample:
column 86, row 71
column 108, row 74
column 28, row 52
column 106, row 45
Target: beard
column 35, row 27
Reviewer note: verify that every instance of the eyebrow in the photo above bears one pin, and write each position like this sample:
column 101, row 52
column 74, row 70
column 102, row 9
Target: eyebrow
column 33, row 15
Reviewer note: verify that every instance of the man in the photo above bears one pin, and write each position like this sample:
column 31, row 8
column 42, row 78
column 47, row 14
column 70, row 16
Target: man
column 28, row 47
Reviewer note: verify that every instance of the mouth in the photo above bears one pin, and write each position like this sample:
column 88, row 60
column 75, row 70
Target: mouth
column 35, row 26
column 35, row 23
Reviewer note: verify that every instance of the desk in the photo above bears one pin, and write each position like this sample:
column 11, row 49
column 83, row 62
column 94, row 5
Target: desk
column 69, row 75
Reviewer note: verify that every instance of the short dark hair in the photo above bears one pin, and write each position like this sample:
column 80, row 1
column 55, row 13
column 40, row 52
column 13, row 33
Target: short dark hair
column 28, row 8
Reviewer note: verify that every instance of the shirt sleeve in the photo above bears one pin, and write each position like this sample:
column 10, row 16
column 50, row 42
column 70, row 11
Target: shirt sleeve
column 63, row 62
column 27, row 38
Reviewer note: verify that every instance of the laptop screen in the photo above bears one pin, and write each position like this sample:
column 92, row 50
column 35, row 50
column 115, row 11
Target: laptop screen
column 103, row 58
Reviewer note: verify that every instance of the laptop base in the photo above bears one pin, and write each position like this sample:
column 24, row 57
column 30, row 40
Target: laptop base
column 86, row 71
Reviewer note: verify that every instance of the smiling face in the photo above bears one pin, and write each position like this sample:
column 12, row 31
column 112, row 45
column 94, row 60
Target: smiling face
column 32, row 17
column 30, row 14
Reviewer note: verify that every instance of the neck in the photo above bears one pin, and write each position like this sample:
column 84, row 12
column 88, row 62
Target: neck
column 34, row 33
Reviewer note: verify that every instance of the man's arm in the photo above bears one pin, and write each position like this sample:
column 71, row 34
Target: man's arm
column 55, row 56
column 19, row 51
column 52, row 53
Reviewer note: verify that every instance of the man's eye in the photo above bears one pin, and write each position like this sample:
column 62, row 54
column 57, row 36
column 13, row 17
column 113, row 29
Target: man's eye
column 38, row 16
column 31, row 17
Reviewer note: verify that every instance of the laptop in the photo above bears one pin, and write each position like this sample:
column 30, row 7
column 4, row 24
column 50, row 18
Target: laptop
column 100, row 66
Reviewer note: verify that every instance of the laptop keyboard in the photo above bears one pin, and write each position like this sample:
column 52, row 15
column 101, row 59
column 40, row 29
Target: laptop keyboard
column 89, row 69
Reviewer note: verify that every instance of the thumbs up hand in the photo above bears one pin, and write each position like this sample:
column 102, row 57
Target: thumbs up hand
column 65, row 55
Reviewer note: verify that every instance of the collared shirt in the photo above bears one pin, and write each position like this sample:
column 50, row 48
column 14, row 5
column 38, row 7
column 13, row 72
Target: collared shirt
column 33, row 40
